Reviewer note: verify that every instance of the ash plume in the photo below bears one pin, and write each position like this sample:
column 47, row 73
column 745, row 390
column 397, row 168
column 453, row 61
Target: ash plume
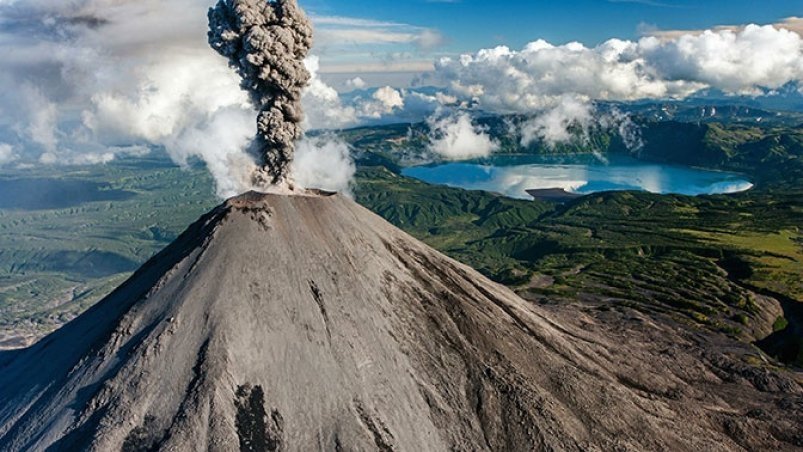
column 266, row 42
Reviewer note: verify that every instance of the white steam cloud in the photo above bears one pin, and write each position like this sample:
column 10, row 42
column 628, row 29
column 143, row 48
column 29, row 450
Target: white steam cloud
column 455, row 137
column 220, row 142
column 97, row 79
column 324, row 163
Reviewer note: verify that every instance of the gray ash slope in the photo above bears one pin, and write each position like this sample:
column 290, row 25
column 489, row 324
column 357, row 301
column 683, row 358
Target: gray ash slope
column 309, row 323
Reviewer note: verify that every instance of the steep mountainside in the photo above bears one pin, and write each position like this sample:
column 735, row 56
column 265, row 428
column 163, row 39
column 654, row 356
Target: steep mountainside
column 309, row 323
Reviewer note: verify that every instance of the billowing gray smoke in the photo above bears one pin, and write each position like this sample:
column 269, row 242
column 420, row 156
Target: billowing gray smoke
column 266, row 42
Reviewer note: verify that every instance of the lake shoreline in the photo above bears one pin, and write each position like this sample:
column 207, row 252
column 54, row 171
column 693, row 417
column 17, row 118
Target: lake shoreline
column 560, row 177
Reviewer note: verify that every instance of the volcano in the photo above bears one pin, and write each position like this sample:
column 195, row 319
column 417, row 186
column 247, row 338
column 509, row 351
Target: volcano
column 309, row 323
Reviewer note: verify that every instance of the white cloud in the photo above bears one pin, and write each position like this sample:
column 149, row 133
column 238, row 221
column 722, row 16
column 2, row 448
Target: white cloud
column 393, row 64
column 572, row 120
column 429, row 39
column 553, row 125
column 455, row 137
column 7, row 154
column 367, row 36
column 173, row 94
column 354, row 46
column 324, row 163
column 540, row 75
column 738, row 62
column 336, row 30
column 41, row 117
column 323, row 21
column 560, row 83
column 323, row 107
column 356, row 82
column 383, row 101
column 629, row 132
column 793, row 24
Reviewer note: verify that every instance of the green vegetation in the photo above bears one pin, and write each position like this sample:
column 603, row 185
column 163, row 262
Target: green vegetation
column 704, row 261
column 58, row 258
column 780, row 324
column 634, row 249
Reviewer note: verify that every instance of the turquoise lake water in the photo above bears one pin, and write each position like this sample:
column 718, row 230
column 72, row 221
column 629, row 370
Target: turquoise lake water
column 585, row 174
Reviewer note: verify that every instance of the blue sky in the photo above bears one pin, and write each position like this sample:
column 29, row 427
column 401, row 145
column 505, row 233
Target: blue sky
column 480, row 23
column 469, row 25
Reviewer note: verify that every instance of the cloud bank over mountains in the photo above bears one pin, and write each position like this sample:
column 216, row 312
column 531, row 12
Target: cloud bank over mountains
column 86, row 81
column 539, row 76
column 560, row 83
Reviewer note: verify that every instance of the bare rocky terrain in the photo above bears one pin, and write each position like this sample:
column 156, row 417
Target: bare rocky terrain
column 309, row 323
